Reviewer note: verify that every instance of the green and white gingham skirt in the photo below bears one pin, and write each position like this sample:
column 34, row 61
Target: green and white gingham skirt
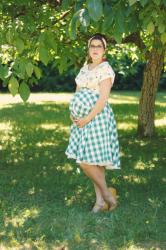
column 97, row 142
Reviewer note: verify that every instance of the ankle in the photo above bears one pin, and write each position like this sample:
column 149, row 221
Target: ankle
column 109, row 198
column 100, row 202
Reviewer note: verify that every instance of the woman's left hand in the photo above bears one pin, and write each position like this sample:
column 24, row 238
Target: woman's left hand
column 81, row 122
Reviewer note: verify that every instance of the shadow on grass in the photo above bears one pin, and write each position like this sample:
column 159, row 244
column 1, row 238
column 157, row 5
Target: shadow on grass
column 45, row 198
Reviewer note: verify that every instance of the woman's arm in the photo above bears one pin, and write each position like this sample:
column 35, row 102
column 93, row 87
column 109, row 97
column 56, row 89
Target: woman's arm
column 105, row 87
column 77, row 88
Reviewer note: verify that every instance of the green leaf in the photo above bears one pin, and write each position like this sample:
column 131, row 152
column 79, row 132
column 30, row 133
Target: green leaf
column 131, row 24
column 22, row 68
column 37, row 72
column 95, row 9
column 163, row 38
column 19, row 45
column 29, row 69
column 50, row 41
column 84, row 17
column 9, row 36
column 108, row 18
column 73, row 25
column 154, row 13
column 143, row 2
column 63, row 64
column 65, row 4
column 13, row 86
column 150, row 27
column 161, row 27
column 24, row 91
column 120, row 20
column 43, row 55
column 131, row 2
column 118, row 37
column 4, row 72
column 157, row 2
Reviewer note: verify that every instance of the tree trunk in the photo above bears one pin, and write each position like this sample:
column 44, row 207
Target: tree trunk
column 151, row 79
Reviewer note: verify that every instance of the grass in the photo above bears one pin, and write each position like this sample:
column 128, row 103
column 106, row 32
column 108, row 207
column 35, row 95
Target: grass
column 45, row 198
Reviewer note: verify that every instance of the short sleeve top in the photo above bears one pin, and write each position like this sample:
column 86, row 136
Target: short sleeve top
column 91, row 78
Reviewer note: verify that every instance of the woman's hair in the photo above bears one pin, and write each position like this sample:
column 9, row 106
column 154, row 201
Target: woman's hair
column 97, row 36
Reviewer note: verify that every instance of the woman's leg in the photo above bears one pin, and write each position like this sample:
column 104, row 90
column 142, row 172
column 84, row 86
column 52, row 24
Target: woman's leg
column 99, row 197
column 96, row 174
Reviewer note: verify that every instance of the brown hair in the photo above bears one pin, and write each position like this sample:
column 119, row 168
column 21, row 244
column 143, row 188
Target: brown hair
column 97, row 36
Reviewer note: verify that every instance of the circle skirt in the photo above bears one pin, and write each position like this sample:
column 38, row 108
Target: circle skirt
column 97, row 142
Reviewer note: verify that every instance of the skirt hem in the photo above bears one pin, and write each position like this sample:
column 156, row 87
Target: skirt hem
column 107, row 165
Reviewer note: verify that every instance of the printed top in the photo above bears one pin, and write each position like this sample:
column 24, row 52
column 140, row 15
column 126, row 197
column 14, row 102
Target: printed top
column 91, row 78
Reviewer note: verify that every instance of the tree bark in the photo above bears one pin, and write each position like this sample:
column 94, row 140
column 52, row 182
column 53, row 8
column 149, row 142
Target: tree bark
column 151, row 77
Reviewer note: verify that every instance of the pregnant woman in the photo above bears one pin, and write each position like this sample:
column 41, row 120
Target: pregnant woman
column 93, row 141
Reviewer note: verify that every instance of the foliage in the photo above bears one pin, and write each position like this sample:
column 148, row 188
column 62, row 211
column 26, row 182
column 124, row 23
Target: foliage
column 56, row 32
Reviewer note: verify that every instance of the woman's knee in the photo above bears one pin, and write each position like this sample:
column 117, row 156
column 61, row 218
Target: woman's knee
column 84, row 166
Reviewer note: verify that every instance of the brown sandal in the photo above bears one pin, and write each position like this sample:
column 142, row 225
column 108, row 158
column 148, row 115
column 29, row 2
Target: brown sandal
column 114, row 194
column 105, row 206
column 99, row 207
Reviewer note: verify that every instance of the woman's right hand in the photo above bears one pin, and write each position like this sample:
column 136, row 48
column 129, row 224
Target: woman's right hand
column 72, row 118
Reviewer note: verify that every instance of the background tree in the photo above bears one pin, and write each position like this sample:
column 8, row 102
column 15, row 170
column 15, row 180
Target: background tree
column 47, row 30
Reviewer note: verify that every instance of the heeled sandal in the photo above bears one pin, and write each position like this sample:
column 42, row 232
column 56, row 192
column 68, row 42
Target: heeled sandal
column 114, row 194
column 105, row 207
column 98, row 207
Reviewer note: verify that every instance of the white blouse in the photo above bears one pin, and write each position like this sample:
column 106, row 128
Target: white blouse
column 91, row 78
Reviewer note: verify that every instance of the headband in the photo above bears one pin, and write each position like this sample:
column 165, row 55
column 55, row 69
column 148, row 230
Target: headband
column 102, row 38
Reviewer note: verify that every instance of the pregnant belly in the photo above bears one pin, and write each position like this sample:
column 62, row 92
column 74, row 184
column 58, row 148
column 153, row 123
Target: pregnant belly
column 82, row 102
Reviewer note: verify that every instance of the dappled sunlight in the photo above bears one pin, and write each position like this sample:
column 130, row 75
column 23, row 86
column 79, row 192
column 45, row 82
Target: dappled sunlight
column 142, row 166
column 163, row 179
column 135, row 179
column 19, row 220
column 126, row 125
column 53, row 126
column 143, row 143
column 6, row 105
column 160, row 104
column 49, row 126
column 77, row 195
column 45, row 196
column 78, row 239
column 121, row 99
column 160, row 122
column 65, row 168
column 30, row 244
column 142, row 246
column 39, row 98
column 155, row 202
column 44, row 144
column 6, row 126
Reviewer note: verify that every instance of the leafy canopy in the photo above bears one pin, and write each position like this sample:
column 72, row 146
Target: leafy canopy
column 34, row 31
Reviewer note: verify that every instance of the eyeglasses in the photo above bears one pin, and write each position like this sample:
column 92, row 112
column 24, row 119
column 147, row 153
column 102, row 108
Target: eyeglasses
column 97, row 47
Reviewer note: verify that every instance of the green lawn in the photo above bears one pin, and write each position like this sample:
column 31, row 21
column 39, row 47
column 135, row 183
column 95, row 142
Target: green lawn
column 45, row 198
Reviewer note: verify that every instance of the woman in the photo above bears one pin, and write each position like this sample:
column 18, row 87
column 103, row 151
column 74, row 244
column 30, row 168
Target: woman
column 93, row 141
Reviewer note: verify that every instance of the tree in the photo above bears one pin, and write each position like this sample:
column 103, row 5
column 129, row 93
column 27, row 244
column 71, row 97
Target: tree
column 49, row 30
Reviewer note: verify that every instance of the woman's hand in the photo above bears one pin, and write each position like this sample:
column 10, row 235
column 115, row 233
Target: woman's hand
column 72, row 118
column 81, row 122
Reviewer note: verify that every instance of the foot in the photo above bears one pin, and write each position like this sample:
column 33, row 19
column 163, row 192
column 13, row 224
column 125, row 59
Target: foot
column 111, row 200
column 99, row 207
column 103, row 206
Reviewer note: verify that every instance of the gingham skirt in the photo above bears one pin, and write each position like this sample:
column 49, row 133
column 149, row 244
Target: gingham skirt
column 97, row 142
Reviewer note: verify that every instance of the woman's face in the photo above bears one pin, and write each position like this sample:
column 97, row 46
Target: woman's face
column 96, row 49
